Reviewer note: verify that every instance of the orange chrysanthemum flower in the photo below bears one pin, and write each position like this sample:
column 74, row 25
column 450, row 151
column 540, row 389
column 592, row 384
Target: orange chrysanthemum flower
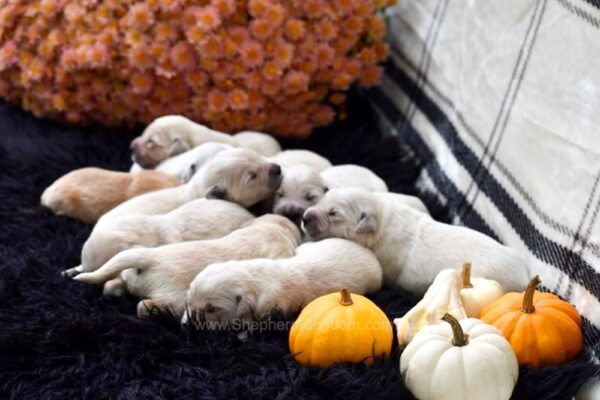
column 279, row 65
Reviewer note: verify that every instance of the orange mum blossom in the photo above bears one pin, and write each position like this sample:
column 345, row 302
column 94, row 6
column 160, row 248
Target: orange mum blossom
column 226, row 63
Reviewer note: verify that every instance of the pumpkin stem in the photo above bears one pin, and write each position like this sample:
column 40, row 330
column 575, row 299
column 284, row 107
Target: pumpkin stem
column 466, row 275
column 528, row 306
column 346, row 298
column 460, row 337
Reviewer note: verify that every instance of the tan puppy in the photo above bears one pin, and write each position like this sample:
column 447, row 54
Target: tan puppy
column 174, row 134
column 293, row 158
column 243, row 290
column 88, row 193
column 302, row 187
column 196, row 220
column 238, row 175
column 411, row 247
column 162, row 275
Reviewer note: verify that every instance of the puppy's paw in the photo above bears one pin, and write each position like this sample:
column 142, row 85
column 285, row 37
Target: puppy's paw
column 115, row 287
column 146, row 308
column 72, row 272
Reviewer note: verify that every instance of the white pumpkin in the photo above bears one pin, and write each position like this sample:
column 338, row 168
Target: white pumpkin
column 476, row 293
column 443, row 296
column 466, row 360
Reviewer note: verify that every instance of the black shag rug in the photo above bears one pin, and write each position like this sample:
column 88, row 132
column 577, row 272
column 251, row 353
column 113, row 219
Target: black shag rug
column 61, row 339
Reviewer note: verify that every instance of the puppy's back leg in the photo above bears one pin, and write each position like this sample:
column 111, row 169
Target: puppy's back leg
column 72, row 272
column 115, row 287
column 146, row 307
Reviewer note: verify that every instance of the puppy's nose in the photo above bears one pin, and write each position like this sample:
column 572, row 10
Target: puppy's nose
column 309, row 217
column 135, row 143
column 293, row 213
column 274, row 170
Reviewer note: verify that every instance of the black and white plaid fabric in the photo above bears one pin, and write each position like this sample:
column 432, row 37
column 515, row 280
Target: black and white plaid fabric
column 501, row 102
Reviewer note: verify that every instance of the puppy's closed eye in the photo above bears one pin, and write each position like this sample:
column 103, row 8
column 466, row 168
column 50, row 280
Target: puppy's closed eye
column 310, row 197
column 209, row 308
column 238, row 298
column 332, row 213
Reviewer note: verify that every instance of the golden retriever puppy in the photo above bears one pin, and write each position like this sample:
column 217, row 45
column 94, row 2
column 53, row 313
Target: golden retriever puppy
column 293, row 158
column 238, row 175
column 185, row 164
column 410, row 245
column 162, row 275
column 245, row 290
column 302, row 187
column 88, row 193
column 174, row 134
column 196, row 220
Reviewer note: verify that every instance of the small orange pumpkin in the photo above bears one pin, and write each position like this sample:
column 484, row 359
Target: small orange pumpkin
column 541, row 328
column 340, row 327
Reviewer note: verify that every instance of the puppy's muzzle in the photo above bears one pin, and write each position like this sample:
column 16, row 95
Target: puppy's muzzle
column 292, row 212
column 138, row 155
column 310, row 223
column 275, row 176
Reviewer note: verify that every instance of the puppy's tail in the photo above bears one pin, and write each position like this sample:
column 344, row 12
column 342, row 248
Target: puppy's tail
column 131, row 258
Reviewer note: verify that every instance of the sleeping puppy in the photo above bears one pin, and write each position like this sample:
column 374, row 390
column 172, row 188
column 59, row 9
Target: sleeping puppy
column 174, row 134
column 245, row 290
column 293, row 158
column 411, row 247
column 196, row 220
column 349, row 175
column 88, row 193
column 184, row 165
column 163, row 274
column 302, row 187
column 238, row 175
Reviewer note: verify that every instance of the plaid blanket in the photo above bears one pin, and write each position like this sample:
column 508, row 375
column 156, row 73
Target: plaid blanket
column 501, row 102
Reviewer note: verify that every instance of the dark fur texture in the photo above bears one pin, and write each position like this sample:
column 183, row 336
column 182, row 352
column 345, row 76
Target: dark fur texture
column 61, row 339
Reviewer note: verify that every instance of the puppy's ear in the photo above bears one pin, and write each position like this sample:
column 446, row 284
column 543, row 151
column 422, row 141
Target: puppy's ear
column 216, row 192
column 177, row 146
column 188, row 173
column 366, row 224
column 244, row 308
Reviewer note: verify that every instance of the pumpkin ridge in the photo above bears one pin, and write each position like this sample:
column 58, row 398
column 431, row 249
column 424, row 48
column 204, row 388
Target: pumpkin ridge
column 376, row 332
column 321, row 325
column 360, row 314
column 567, row 329
column 505, row 323
column 493, row 313
column 306, row 327
column 519, row 340
column 565, row 308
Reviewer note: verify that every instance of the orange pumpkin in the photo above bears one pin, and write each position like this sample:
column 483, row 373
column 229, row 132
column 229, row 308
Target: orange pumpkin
column 340, row 327
column 541, row 328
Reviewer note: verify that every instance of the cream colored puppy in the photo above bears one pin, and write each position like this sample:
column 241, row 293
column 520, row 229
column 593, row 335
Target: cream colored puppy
column 349, row 175
column 162, row 275
column 411, row 247
column 302, row 187
column 243, row 290
column 238, row 175
column 88, row 193
column 196, row 220
column 174, row 134
column 293, row 158
column 184, row 165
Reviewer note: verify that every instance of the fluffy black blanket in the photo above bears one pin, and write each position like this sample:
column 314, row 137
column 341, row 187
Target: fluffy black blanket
column 62, row 339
